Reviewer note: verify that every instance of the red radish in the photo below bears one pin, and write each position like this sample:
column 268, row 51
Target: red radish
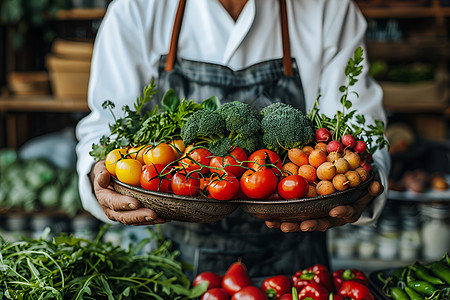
column 335, row 146
column 323, row 135
column 360, row 147
column 367, row 167
column 348, row 141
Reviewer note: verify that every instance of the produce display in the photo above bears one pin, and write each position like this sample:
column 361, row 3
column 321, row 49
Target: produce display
column 232, row 151
column 73, row 268
column 315, row 282
column 417, row 281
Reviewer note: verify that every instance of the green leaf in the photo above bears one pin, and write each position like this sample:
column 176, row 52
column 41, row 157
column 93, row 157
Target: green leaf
column 170, row 101
column 348, row 104
column 211, row 104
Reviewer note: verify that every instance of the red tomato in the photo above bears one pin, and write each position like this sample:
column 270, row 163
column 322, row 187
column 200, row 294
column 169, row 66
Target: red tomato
column 150, row 181
column 185, row 185
column 287, row 296
column 259, row 184
column 198, row 158
column 223, row 188
column 277, row 285
column 230, row 162
column 259, row 158
column 212, row 278
column 293, row 187
column 250, row 293
column 216, row 294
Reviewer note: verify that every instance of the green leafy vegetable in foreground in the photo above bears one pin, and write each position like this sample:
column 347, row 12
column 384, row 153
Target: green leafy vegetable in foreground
column 74, row 268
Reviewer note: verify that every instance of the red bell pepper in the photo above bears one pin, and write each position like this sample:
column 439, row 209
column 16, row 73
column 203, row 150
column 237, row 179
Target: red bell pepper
column 317, row 273
column 276, row 286
column 355, row 291
column 342, row 275
column 314, row 291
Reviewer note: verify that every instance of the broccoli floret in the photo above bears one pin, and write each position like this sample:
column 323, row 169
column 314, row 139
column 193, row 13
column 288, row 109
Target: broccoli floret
column 220, row 147
column 240, row 118
column 285, row 127
column 203, row 126
column 251, row 143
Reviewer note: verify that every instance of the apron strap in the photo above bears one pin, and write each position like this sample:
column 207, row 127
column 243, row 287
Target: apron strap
column 175, row 33
column 287, row 61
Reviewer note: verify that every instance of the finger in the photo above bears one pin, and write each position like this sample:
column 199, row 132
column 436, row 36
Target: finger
column 290, row 227
column 135, row 217
column 273, row 224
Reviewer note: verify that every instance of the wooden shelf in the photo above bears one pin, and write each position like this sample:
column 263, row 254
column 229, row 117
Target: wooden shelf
column 80, row 14
column 41, row 104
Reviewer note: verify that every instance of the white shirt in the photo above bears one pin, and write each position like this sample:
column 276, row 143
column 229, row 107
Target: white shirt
column 135, row 33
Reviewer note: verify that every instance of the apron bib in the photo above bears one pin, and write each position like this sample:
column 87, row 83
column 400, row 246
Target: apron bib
column 215, row 246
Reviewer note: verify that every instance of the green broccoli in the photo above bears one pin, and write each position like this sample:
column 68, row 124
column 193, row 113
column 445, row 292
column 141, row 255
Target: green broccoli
column 241, row 119
column 203, row 127
column 285, row 127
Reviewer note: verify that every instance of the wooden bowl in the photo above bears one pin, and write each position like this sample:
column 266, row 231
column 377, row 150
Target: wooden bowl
column 176, row 207
column 297, row 210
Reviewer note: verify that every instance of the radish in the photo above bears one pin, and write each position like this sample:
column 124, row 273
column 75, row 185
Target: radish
column 348, row 141
column 360, row 147
column 335, row 146
column 323, row 135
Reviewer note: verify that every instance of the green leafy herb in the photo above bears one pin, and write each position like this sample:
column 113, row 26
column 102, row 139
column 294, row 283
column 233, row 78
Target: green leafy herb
column 137, row 128
column 75, row 268
column 341, row 123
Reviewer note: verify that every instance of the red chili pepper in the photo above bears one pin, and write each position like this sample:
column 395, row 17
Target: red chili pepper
column 342, row 275
column 317, row 273
column 355, row 291
column 314, row 291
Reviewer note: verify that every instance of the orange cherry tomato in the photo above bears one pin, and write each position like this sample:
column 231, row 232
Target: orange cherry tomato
column 112, row 158
column 128, row 171
column 178, row 144
column 161, row 154
column 137, row 152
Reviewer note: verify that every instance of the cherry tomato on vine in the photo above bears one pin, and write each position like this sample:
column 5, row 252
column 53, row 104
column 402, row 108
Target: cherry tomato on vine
column 259, row 184
column 128, row 171
column 223, row 188
column 230, row 162
column 160, row 154
column 150, row 181
column 137, row 152
column 178, row 144
column 293, row 187
column 259, row 158
column 112, row 158
column 198, row 158
column 185, row 185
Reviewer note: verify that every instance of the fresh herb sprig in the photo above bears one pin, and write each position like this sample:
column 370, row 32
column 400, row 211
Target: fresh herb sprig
column 341, row 123
column 161, row 124
column 74, row 268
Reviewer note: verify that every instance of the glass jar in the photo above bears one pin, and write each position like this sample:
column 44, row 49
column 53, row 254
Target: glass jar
column 366, row 246
column 387, row 239
column 435, row 230
column 410, row 240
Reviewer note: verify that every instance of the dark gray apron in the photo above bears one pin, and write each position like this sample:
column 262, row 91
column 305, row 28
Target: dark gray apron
column 215, row 246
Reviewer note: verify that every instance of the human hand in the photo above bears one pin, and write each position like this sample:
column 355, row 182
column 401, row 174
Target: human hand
column 117, row 207
column 338, row 216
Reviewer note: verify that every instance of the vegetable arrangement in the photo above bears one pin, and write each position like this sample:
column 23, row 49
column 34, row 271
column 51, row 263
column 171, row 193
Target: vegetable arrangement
column 74, row 268
column 37, row 184
column 419, row 281
column 315, row 282
column 232, row 150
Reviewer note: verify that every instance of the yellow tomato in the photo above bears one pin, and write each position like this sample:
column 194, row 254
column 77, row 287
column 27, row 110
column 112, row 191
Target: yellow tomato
column 162, row 154
column 137, row 153
column 112, row 158
column 128, row 171
column 179, row 145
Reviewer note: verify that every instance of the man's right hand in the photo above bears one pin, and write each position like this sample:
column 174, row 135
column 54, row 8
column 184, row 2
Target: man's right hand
column 117, row 207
